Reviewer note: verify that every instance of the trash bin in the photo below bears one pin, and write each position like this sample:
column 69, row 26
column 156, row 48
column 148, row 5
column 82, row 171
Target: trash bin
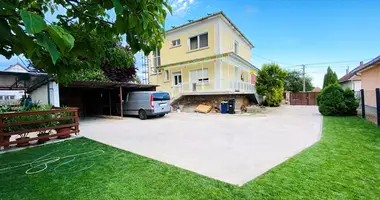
column 224, row 107
column 231, row 106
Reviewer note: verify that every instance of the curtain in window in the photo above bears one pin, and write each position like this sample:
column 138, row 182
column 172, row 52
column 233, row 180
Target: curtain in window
column 203, row 40
column 193, row 43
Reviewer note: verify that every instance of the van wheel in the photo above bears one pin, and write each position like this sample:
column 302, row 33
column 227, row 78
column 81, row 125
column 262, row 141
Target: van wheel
column 142, row 114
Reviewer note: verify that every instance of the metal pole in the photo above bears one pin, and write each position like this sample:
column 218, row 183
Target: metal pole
column 304, row 82
column 121, row 102
column 378, row 105
column 363, row 104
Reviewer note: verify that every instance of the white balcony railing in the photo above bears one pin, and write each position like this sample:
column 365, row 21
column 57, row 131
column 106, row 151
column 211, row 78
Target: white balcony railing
column 210, row 87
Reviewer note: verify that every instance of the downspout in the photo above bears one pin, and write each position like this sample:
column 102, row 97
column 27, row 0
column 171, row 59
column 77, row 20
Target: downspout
column 48, row 91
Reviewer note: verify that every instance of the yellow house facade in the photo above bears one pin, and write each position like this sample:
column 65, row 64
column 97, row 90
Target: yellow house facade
column 205, row 56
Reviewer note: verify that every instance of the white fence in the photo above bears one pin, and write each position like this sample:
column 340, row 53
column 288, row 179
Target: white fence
column 229, row 86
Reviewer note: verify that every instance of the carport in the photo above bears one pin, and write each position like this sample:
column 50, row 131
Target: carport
column 99, row 98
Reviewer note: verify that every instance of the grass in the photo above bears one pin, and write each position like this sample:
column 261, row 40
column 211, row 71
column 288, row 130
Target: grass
column 345, row 164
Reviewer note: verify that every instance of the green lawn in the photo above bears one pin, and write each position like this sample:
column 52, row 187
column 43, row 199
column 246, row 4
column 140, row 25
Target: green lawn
column 345, row 164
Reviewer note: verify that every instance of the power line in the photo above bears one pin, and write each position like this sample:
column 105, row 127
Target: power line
column 331, row 62
column 270, row 59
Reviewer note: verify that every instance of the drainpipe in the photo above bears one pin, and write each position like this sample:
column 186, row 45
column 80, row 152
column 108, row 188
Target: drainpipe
column 48, row 91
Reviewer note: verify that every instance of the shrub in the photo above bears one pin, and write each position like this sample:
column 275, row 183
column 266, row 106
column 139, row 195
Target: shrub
column 274, row 97
column 351, row 102
column 334, row 101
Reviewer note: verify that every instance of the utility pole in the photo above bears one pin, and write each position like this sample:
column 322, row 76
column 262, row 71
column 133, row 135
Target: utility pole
column 304, row 81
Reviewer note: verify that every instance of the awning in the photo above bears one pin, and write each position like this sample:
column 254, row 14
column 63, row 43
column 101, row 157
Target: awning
column 21, row 80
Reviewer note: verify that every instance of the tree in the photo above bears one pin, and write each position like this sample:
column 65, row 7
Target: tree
column 94, row 57
column 270, row 83
column 329, row 78
column 25, row 30
column 294, row 82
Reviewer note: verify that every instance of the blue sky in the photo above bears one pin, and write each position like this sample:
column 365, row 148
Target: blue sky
column 295, row 32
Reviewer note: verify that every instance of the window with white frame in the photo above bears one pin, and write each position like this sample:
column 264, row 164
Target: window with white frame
column 157, row 58
column 198, row 41
column 197, row 76
column 166, row 73
column 1, row 97
column 6, row 97
column 12, row 97
column 236, row 47
column 177, row 78
column 176, row 43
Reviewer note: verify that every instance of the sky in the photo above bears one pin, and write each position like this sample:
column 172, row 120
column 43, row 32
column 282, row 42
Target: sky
column 335, row 33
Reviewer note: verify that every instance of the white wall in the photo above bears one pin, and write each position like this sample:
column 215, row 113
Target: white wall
column 41, row 94
column 353, row 85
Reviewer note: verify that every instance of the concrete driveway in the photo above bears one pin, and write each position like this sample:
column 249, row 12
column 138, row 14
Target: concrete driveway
column 230, row 148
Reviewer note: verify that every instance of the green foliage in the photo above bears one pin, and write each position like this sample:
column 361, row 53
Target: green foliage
column 25, row 30
column 329, row 78
column 270, row 83
column 91, row 53
column 294, row 82
column 334, row 101
column 351, row 102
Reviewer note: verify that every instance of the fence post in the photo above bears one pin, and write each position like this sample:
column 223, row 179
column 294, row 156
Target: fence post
column 378, row 105
column 363, row 104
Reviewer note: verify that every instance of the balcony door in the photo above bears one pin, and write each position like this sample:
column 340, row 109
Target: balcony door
column 177, row 79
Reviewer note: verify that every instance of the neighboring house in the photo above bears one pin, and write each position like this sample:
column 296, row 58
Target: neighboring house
column 316, row 89
column 208, row 56
column 370, row 77
column 352, row 80
column 12, row 96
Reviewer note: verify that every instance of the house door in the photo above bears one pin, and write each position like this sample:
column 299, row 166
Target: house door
column 177, row 79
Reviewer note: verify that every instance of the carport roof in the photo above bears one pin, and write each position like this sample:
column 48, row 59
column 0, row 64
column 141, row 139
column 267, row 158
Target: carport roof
column 107, row 84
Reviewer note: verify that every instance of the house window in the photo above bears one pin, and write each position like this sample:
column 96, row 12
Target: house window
column 157, row 58
column 177, row 78
column 176, row 43
column 12, row 97
column 199, row 41
column 1, row 97
column 236, row 47
column 6, row 97
column 166, row 75
column 196, row 76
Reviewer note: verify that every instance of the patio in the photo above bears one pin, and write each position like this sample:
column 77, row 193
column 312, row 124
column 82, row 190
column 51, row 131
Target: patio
column 230, row 148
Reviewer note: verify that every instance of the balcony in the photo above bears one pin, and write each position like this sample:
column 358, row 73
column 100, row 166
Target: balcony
column 209, row 88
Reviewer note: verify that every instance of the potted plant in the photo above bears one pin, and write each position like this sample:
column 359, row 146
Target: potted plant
column 23, row 137
column 43, row 140
column 64, row 132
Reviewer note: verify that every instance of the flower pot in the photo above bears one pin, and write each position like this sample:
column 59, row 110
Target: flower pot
column 23, row 144
column 64, row 133
column 43, row 140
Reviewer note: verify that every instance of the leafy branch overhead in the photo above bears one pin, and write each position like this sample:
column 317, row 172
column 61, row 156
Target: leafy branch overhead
column 25, row 30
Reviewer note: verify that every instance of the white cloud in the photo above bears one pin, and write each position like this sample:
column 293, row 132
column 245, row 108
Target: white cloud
column 180, row 7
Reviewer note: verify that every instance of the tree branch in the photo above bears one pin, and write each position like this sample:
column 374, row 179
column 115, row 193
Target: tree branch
column 84, row 14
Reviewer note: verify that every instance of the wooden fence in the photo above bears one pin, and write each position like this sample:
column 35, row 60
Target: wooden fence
column 55, row 115
column 303, row 98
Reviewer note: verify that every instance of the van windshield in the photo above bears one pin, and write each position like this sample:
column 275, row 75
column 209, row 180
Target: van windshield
column 161, row 96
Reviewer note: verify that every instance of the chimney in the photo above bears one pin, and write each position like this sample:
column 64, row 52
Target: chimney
column 361, row 63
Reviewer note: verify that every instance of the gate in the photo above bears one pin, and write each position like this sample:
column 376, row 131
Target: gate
column 303, row 98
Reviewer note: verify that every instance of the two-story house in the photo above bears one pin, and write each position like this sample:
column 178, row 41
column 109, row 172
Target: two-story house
column 208, row 56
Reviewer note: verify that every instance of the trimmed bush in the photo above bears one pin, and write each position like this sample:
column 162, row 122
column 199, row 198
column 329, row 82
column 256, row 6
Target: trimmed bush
column 351, row 102
column 274, row 97
column 334, row 101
